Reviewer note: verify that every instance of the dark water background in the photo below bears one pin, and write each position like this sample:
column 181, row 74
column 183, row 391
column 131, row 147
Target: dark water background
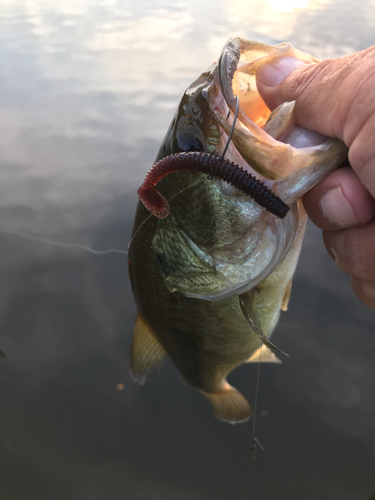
column 87, row 90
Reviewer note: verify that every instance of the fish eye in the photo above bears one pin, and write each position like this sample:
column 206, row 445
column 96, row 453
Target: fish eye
column 189, row 142
column 195, row 109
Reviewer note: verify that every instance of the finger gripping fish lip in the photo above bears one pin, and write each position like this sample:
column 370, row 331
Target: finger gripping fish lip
column 214, row 166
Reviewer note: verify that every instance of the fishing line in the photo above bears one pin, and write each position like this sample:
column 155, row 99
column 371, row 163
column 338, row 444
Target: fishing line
column 80, row 246
column 139, row 227
column 232, row 129
column 86, row 248
column 213, row 166
column 255, row 441
column 169, row 199
column 62, row 245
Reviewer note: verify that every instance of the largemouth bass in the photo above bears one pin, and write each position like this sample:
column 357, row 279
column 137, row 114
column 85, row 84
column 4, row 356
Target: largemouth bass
column 211, row 278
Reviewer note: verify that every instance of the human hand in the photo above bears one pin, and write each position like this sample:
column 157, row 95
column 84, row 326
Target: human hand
column 337, row 98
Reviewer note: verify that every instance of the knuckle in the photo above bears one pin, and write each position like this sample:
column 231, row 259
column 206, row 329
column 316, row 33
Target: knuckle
column 353, row 252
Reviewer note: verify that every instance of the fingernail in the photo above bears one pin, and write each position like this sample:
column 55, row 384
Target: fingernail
column 336, row 208
column 272, row 73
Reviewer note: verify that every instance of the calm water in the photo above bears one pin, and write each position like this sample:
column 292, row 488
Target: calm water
column 87, row 90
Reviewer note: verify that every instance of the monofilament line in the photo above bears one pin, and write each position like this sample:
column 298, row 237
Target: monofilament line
column 169, row 199
column 62, row 245
column 232, row 129
column 80, row 246
column 255, row 441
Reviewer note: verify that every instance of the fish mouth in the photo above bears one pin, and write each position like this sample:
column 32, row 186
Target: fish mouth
column 266, row 141
column 237, row 77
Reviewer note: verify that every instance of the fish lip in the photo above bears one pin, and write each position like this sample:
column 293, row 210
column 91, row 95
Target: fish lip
column 228, row 63
column 227, row 66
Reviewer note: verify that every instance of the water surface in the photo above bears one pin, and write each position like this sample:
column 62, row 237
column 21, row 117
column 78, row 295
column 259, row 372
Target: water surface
column 87, row 90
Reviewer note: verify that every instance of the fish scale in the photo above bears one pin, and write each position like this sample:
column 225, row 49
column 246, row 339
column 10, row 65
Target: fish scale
column 218, row 249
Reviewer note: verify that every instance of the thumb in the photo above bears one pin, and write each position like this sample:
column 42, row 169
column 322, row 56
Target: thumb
column 334, row 97
column 323, row 91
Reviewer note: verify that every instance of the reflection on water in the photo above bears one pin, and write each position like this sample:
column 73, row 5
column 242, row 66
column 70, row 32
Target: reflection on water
column 87, row 90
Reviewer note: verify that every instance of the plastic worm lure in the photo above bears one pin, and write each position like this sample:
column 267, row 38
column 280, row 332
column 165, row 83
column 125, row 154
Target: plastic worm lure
column 214, row 166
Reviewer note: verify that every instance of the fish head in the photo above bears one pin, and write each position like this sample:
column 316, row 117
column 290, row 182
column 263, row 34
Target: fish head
column 217, row 242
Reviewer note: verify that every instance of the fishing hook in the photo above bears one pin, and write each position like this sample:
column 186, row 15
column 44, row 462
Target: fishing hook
column 232, row 129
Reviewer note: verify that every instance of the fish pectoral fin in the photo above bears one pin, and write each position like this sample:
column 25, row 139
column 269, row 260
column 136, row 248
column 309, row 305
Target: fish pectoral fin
column 146, row 354
column 285, row 302
column 229, row 405
column 264, row 355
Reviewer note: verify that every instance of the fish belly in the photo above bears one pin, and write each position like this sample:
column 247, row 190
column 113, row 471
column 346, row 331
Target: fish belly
column 205, row 340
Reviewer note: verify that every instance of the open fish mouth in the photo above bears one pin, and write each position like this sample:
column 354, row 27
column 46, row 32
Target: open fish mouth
column 228, row 241
column 272, row 144
column 266, row 145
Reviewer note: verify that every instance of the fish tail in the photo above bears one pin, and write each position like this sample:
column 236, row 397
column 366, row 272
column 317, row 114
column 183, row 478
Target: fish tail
column 229, row 405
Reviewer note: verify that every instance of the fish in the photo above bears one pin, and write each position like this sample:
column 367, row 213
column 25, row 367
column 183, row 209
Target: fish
column 212, row 273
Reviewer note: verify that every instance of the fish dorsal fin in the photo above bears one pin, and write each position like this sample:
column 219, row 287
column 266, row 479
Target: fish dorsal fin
column 146, row 354
column 264, row 355
column 229, row 405
column 285, row 302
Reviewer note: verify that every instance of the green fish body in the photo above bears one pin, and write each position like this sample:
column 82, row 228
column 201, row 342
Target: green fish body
column 210, row 279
